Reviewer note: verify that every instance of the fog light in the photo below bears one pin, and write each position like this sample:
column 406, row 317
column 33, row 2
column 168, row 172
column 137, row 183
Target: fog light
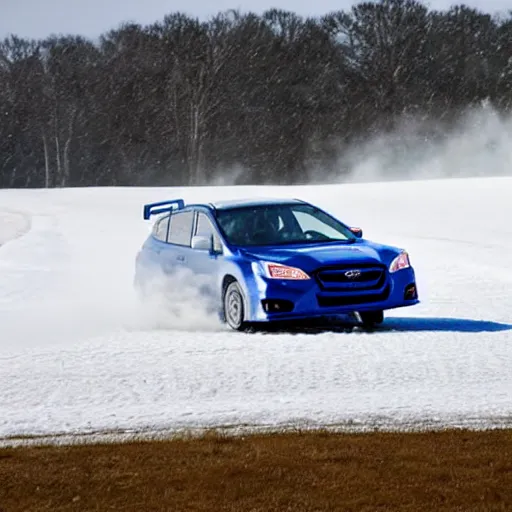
column 410, row 292
column 277, row 305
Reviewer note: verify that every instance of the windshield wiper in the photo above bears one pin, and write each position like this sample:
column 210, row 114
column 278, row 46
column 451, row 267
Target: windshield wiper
column 313, row 241
column 335, row 240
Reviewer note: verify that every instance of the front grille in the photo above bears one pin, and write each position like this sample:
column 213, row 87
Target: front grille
column 351, row 277
column 332, row 301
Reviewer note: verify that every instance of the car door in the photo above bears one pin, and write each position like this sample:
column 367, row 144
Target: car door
column 204, row 263
column 174, row 253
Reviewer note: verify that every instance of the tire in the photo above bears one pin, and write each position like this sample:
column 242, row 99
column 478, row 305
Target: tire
column 371, row 318
column 233, row 307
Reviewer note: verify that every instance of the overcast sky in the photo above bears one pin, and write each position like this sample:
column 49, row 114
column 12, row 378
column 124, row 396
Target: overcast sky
column 40, row 18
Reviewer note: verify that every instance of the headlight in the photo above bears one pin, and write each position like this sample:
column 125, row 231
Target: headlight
column 400, row 262
column 279, row 271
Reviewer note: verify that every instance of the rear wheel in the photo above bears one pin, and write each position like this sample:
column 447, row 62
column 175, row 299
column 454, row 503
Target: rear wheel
column 371, row 318
column 233, row 305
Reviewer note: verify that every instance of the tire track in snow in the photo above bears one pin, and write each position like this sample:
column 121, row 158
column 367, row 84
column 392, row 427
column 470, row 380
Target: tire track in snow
column 31, row 267
column 13, row 225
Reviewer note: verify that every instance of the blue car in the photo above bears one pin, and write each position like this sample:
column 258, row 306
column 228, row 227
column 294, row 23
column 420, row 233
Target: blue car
column 267, row 260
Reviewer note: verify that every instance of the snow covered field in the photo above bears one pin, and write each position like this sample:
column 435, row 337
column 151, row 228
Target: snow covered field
column 79, row 354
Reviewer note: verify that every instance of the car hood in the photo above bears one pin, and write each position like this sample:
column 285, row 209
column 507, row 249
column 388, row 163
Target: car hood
column 310, row 257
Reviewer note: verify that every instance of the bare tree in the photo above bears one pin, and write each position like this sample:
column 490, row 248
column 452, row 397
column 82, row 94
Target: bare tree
column 277, row 95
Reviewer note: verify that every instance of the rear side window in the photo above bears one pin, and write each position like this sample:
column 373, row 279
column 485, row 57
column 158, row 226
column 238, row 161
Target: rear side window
column 180, row 232
column 160, row 231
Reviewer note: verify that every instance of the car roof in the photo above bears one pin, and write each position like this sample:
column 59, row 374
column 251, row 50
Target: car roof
column 254, row 201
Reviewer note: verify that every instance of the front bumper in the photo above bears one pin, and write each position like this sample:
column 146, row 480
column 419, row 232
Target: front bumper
column 272, row 299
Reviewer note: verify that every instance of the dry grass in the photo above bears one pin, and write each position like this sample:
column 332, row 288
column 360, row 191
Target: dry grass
column 437, row 471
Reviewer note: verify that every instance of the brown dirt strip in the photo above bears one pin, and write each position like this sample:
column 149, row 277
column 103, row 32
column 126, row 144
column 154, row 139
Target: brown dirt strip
column 317, row 471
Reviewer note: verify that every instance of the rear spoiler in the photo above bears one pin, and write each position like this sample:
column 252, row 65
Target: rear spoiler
column 162, row 207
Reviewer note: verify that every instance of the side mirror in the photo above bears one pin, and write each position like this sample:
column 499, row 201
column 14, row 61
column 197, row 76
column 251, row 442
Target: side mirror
column 202, row 243
column 358, row 232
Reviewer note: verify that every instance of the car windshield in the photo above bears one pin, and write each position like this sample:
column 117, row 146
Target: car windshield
column 281, row 224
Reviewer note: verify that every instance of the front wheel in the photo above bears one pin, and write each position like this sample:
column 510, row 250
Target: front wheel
column 371, row 318
column 233, row 305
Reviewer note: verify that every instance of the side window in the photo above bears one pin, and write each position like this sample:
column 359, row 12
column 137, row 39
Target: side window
column 160, row 230
column 205, row 227
column 181, row 228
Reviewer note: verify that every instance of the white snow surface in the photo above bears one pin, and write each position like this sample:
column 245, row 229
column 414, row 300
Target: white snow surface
column 79, row 354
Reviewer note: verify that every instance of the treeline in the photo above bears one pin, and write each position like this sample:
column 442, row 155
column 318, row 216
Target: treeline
column 183, row 102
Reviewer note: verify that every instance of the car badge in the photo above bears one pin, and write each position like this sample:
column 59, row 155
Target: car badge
column 352, row 274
